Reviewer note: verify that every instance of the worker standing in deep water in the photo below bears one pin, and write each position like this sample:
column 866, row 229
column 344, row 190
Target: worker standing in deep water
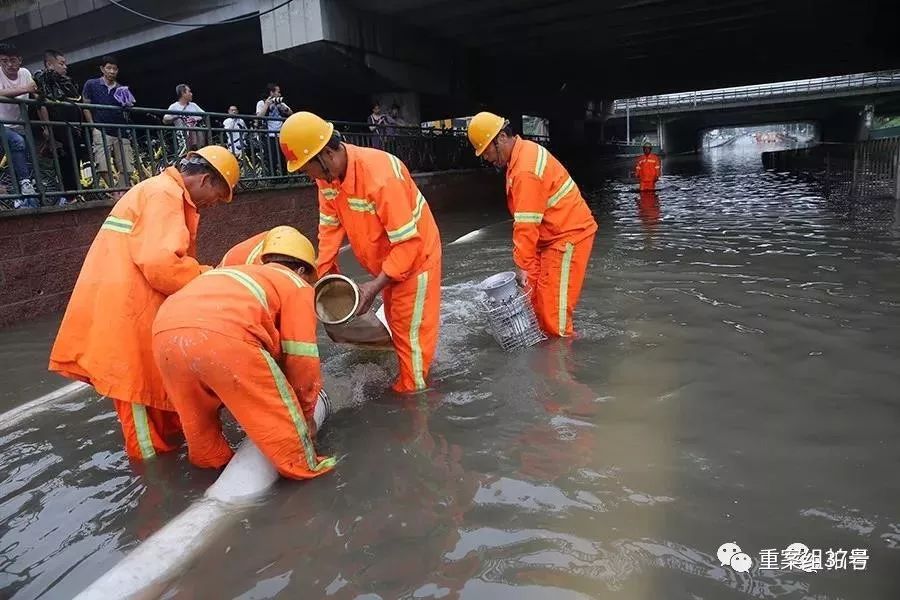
column 144, row 252
column 553, row 228
column 369, row 196
column 648, row 168
column 245, row 337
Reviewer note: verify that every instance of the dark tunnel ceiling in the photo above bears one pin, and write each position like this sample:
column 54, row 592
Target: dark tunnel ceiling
column 634, row 47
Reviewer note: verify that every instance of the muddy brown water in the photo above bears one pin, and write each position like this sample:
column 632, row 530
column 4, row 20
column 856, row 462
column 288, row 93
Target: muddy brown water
column 735, row 380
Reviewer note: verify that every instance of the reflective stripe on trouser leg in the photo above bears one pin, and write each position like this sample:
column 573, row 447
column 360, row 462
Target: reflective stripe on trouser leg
column 146, row 427
column 414, row 330
column 284, row 390
column 142, row 427
column 413, row 310
column 564, row 273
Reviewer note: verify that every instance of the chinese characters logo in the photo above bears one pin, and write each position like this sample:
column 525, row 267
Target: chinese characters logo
column 796, row 557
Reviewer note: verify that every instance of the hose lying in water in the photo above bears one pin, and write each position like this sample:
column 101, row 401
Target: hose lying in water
column 148, row 569
column 15, row 415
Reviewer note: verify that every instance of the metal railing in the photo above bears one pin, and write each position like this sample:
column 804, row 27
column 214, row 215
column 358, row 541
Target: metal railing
column 806, row 87
column 868, row 169
column 66, row 158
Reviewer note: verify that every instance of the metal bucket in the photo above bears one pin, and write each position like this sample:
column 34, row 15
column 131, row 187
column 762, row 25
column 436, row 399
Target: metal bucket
column 510, row 316
column 500, row 287
column 337, row 298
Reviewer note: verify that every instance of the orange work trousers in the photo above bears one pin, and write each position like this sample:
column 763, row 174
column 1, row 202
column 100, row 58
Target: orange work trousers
column 147, row 430
column 558, row 289
column 201, row 370
column 413, row 310
column 648, row 184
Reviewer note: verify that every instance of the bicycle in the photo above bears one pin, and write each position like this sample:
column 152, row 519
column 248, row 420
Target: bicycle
column 48, row 179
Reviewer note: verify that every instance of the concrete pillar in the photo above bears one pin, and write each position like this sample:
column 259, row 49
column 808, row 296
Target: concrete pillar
column 567, row 136
column 515, row 119
column 661, row 135
column 867, row 115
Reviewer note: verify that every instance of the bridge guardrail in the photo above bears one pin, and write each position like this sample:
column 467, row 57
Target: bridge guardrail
column 69, row 158
column 876, row 80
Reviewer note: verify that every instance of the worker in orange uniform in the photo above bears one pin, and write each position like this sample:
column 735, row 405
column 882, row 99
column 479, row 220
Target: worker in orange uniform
column 370, row 196
column 553, row 228
column 648, row 168
column 145, row 251
column 245, row 337
column 247, row 252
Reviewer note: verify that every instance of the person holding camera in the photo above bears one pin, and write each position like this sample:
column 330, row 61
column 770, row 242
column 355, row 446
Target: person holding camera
column 274, row 111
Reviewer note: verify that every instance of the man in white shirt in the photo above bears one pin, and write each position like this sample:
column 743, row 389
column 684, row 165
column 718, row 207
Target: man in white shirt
column 275, row 111
column 189, row 140
column 16, row 82
column 235, row 136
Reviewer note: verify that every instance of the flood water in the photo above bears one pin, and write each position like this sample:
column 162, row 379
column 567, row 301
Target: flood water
column 735, row 379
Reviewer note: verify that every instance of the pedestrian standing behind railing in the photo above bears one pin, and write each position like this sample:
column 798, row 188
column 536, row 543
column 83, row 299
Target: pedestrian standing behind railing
column 16, row 82
column 377, row 124
column 235, row 135
column 394, row 128
column 274, row 108
column 187, row 140
column 112, row 139
column 60, row 93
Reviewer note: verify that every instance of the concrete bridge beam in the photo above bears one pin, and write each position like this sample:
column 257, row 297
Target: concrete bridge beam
column 388, row 56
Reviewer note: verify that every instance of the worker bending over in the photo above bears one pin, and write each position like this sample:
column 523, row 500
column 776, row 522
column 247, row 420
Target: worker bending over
column 145, row 251
column 370, row 196
column 248, row 252
column 553, row 229
column 648, row 168
column 245, row 337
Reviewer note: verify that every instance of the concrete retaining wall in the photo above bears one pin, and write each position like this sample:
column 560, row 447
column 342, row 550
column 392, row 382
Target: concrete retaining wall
column 41, row 254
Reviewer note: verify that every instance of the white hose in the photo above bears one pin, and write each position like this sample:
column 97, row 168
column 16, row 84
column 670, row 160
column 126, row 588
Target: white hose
column 146, row 571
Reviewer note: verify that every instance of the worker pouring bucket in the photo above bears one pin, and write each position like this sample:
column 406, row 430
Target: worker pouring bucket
column 337, row 300
column 510, row 316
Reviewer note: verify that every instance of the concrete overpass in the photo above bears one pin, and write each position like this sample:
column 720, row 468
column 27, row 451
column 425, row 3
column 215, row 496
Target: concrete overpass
column 842, row 107
column 448, row 57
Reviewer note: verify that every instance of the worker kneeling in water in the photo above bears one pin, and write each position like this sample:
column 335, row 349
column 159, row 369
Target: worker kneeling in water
column 553, row 228
column 245, row 337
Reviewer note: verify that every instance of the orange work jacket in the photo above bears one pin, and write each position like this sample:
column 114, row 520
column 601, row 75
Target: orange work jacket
column 546, row 205
column 268, row 305
column 382, row 212
column 246, row 253
column 648, row 168
column 145, row 251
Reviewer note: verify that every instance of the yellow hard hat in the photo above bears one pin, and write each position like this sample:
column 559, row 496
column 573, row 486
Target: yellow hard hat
column 289, row 242
column 483, row 128
column 224, row 162
column 302, row 136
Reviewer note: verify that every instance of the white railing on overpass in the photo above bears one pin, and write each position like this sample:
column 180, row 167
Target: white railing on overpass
column 748, row 93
